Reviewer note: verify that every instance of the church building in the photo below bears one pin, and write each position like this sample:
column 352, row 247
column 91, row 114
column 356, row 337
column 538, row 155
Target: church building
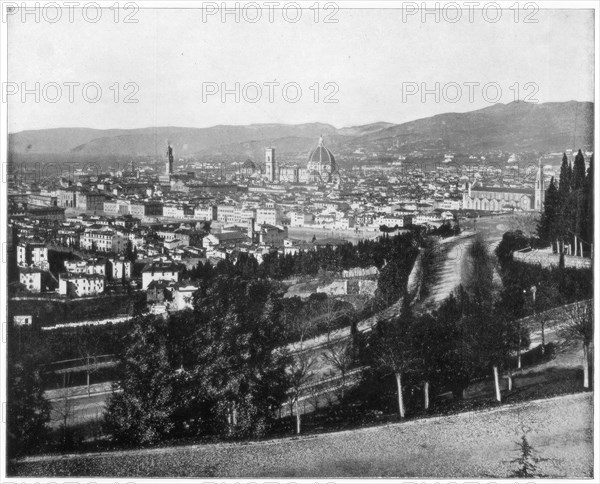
column 493, row 199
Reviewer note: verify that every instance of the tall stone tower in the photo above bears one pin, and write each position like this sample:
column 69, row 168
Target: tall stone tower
column 271, row 165
column 169, row 162
column 540, row 190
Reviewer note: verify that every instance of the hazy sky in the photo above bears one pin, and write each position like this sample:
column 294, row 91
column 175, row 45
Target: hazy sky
column 170, row 54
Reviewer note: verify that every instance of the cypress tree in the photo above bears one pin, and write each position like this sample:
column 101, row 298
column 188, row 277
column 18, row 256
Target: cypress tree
column 578, row 178
column 549, row 226
column 570, row 172
column 564, row 185
column 580, row 214
column 564, row 223
column 589, row 189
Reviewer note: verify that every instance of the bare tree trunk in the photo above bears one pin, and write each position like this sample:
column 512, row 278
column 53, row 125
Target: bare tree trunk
column 88, row 383
column 519, row 347
column 400, row 400
column 581, row 249
column 509, row 380
column 543, row 338
column 297, row 416
column 586, row 366
column 426, row 395
column 497, row 384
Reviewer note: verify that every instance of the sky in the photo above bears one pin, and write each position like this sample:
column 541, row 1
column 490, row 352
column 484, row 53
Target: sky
column 374, row 63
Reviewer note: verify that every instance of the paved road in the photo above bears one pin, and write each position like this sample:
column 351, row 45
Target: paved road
column 450, row 265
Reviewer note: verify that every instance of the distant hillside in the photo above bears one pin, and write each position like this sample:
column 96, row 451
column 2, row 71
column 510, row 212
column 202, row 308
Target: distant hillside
column 364, row 129
column 152, row 141
column 517, row 126
column 59, row 140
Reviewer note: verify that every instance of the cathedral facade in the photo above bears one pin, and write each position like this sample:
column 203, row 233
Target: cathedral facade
column 493, row 199
column 320, row 168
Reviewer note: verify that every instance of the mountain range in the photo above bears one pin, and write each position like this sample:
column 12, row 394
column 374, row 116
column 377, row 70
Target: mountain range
column 513, row 127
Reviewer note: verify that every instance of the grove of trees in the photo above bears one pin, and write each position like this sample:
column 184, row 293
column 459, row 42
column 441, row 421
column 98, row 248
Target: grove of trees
column 473, row 334
column 219, row 369
column 568, row 214
column 555, row 286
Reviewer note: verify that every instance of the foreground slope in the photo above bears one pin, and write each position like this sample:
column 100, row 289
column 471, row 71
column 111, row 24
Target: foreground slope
column 473, row 444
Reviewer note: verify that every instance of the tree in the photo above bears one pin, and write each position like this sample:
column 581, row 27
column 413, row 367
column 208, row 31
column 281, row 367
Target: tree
column 589, row 189
column 564, row 185
column 237, row 366
column 88, row 347
column 129, row 253
column 303, row 360
column 142, row 413
column 581, row 221
column 511, row 242
column 391, row 284
column 487, row 334
column 548, row 228
column 27, row 408
column 340, row 355
column 431, row 340
column 477, row 276
column 579, row 326
column 63, row 411
column 392, row 349
column 527, row 461
column 578, row 177
column 574, row 204
column 511, row 307
column 525, row 223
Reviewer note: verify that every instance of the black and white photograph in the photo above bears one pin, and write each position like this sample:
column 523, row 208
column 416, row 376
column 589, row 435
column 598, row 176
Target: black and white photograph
column 311, row 241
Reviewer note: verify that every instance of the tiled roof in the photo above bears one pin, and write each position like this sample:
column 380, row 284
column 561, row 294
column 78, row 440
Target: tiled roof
column 527, row 191
column 223, row 236
column 161, row 267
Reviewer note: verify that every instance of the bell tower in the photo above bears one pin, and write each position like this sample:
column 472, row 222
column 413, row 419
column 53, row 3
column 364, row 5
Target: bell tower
column 540, row 191
column 271, row 165
column 169, row 162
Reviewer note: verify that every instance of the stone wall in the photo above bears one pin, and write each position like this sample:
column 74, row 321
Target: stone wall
column 548, row 259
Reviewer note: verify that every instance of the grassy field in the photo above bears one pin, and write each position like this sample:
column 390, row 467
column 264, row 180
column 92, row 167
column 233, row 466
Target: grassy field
column 472, row 444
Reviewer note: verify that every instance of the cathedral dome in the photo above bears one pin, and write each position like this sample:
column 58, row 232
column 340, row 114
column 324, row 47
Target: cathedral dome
column 321, row 155
column 249, row 165
column 321, row 159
